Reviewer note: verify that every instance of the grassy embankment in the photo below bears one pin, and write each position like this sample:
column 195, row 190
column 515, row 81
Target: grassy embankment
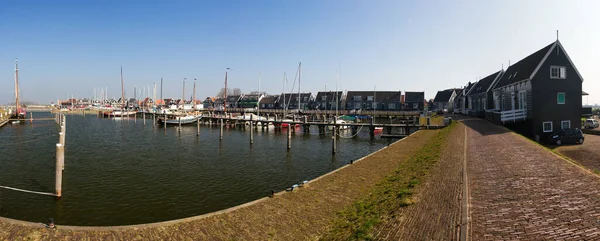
column 392, row 193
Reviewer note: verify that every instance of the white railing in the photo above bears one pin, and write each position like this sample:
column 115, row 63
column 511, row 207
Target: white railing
column 513, row 115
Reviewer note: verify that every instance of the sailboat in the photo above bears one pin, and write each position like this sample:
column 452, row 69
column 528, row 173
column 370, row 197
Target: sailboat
column 184, row 117
column 19, row 115
column 285, row 122
column 123, row 112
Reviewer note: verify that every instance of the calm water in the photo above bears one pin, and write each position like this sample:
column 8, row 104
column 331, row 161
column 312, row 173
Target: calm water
column 119, row 172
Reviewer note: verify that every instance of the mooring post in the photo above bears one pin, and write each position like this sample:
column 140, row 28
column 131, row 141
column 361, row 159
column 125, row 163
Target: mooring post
column 179, row 123
column 221, row 133
column 289, row 138
column 144, row 116
column 59, row 161
column 333, row 140
column 153, row 120
column 165, row 122
column 197, row 126
column 251, row 132
column 31, row 117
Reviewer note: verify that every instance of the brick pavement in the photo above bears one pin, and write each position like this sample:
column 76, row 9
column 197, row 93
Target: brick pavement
column 520, row 190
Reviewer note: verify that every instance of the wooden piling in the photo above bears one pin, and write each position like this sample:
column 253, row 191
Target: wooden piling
column 31, row 117
column 198, row 126
column 289, row 138
column 221, row 133
column 144, row 116
column 165, row 122
column 59, row 160
column 179, row 123
column 153, row 120
column 251, row 134
column 333, row 140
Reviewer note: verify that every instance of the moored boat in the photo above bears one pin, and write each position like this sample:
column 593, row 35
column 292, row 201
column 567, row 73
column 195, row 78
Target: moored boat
column 175, row 120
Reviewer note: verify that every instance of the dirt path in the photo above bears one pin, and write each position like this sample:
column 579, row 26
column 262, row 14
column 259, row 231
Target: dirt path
column 520, row 190
column 301, row 215
column 435, row 215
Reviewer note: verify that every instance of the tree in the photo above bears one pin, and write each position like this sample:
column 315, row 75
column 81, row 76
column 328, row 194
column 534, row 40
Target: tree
column 222, row 91
column 237, row 91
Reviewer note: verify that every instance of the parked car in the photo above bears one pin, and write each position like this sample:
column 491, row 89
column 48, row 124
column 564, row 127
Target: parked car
column 567, row 136
column 591, row 123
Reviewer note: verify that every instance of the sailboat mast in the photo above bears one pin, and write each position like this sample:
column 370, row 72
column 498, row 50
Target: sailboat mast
column 285, row 102
column 225, row 92
column 122, row 90
column 336, row 92
column 258, row 98
column 17, row 87
column 194, row 100
column 183, row 96
column 299, row 74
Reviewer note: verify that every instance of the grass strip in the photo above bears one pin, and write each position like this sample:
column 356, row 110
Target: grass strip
column 357, row 221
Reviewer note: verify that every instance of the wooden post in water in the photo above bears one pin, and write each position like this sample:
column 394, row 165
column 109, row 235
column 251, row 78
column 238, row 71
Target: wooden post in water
column 197, row 126
column 251, row 132
column 144, row 116
column 31, row 117
column 289, row 138
column 165, row 122
column 333, row 140
column 59, row 160
column 179, row 123
column 153, row 120
column 221, row 132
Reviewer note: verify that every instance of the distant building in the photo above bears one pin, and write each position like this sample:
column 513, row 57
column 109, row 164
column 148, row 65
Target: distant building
column 290, row 100
column 442, row 99
column 374, row 100
column 414, row 101
column 269, row 102
column 326, row 100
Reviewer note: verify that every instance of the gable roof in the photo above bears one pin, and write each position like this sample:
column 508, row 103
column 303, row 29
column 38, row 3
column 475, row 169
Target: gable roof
column 290, row 98
column 380, row 96
column 524, row 68
column 414, row 96
column 329, row 95
column 443, row 95
column 484, row 84
column 269, row 99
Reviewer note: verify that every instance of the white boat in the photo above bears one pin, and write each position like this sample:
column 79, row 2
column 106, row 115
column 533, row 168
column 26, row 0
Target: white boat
column 184, row 119
column 341, row 125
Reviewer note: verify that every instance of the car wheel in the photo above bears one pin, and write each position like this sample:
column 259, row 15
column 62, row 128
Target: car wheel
column 558, row 142
column 581, row 141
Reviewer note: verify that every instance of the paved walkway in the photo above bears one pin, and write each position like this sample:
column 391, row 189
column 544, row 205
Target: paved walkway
column 519, row 190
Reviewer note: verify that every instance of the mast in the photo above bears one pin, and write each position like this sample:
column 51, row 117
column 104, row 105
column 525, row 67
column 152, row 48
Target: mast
column 183, row 96
column 225, row 92
column 258, row 98
column 161, row 81
column 122, row 90
column 374, row 98
column 336, row 92
column 17, row 87
column 299, row 73
column 285, row 102
column 194, row 100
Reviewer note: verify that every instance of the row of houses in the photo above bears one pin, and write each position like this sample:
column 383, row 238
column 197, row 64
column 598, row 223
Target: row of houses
column 327, row 100
column 537, row 95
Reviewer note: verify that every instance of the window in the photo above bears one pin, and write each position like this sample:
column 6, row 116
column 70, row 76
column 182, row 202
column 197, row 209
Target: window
column 392, row 106
column 415, row 106
column 484, row 104
column 370, row 98
column 357, row 98
column 565, row 124
column 522, row 100
column 560, row 97
column 356, row 105
column 547, row 126
column 374, row 105
column 558, row 72
column 324, row 98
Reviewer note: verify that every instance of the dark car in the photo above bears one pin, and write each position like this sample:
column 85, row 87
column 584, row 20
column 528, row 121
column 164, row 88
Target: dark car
column 566, row 136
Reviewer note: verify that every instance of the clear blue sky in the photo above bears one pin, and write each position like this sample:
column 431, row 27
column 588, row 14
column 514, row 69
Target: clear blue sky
column 70, row 47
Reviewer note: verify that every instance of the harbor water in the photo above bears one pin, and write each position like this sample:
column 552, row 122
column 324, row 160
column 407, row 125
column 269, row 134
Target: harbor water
column 119, row 172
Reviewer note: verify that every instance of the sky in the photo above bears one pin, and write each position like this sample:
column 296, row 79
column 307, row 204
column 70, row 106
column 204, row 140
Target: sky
column 71, row 48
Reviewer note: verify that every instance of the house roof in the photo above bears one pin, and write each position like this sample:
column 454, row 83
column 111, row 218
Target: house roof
column 443, row 95
column 250, row 98
column 270, row 99
column 484, row 84
column 233, row 98
column 329, row 95
column 414, row 96
column 306, row 97
column 524, row 68
column 379, row 95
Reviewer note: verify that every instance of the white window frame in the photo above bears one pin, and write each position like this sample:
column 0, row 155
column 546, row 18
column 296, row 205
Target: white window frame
column 391, row 105
column 415, row 105
column 544, row 126
column 369, row 98
column 357, row 98
column 561, row 72
column 324, row 98
column 562, row 124
column 523, row 99
column 564, row 99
